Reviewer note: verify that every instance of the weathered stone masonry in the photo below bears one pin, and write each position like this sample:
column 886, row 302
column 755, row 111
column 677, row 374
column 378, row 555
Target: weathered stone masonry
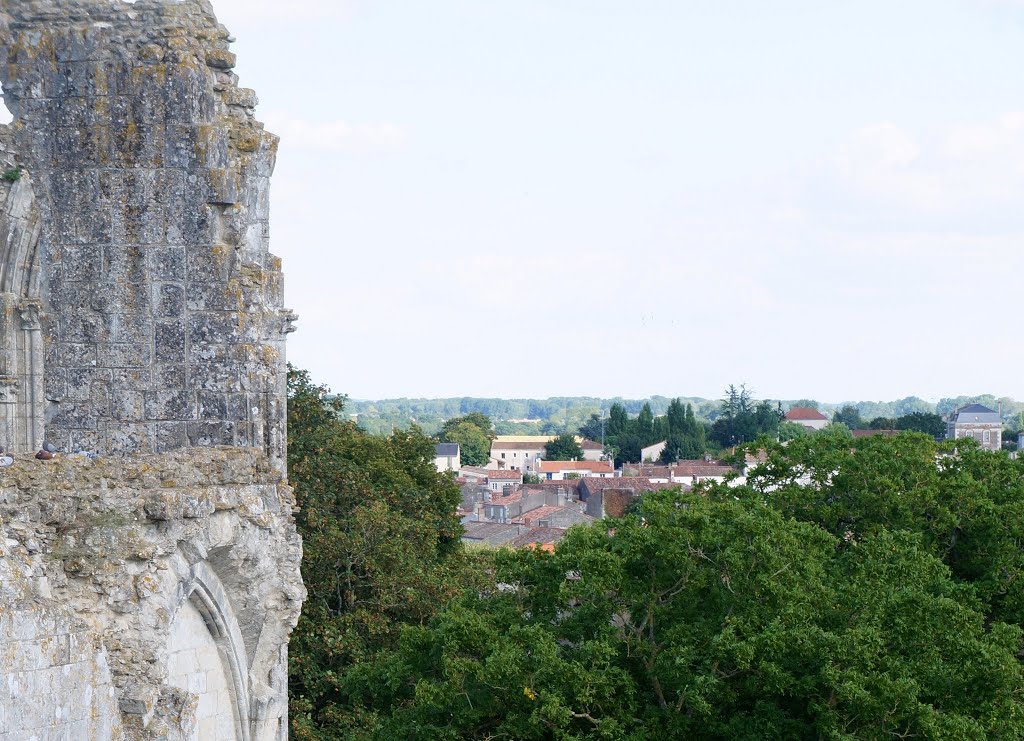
column 101, row 560
column 161, row 318
column 147, row 593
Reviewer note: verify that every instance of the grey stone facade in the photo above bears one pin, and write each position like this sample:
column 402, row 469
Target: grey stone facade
column 149, row 303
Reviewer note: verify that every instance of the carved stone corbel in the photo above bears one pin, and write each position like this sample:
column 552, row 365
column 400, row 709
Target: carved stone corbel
column 30, row 313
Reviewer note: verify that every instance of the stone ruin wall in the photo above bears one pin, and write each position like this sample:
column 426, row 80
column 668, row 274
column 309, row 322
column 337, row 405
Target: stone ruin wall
column 147, row 593
column 139, row 266
column 147, row 598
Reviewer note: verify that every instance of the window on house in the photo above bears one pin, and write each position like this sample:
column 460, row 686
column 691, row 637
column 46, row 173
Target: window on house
column 503, row 455
column 987, row 436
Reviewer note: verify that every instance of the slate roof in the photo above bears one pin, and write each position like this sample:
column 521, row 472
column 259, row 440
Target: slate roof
column 977, row 413
column 443, row 450
column 538, row 514
column 542, row 535
column 491, row 533
column 976, row 409
column 804, row 413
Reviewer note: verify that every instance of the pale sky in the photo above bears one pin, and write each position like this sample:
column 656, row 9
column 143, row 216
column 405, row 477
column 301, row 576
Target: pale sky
column 531, row 198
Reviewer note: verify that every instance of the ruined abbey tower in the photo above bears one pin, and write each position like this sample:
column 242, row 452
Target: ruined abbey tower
column 149, row 573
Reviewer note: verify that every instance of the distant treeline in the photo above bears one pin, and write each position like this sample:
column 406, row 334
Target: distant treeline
column 568, row 413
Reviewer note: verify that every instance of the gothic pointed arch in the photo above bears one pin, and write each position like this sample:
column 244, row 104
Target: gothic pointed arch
column 221, row 679
column 22, row 403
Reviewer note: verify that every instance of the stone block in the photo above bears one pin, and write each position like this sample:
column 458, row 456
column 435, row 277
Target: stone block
column 81, row 382
column 130, row 378
column 214, row 376
column 169, row 300
column 169, row 342
column 169, row 436
column 137, row 145
column 203, row 296
column 170, row 376
column 120, row 298
column 212, row 406
column 127, row 438
column 124, row 355
column 170, row 405
column 76, row 354
column 209, row 328
column 205, row 434
column 167, row 263
column 83, row 328
column 127, row 405
column 220, row 59
column 125, row 263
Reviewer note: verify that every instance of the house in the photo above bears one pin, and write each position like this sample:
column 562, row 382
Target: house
column 558, row 470
column 555, row 516
column 447, row 457
column 592, row 451
column 807, row 417
column 475, row 474
column 544, row 538
column 497, row 480
column 611, row 497
column 518, row 452
column 979, row 422
column 687, row 473
column 522, row 452
column 559, row 504
column 490, row 533
column 652, row 453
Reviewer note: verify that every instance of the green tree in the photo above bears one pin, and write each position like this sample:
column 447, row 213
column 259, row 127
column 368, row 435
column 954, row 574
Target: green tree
column 706, row 618
column 381, row 548
column 645, row 425
column 806, row 403
column 563, row 448
column 473, row 432
column 791, row 431
column 926, row 422
column 593, row 428
column 965, row 504
column 618, row 420
column 742, row 420
column 848, row 416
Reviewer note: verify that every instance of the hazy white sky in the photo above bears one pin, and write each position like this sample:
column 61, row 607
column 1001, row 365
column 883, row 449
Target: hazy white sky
column 630, row 197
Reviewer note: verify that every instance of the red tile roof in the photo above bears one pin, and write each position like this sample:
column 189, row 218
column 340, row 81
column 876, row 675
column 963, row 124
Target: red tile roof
column 804, row 413
column 503, row 475
column 592, row 466
column 499, row 445
column 636, row 483
column 684, row 468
